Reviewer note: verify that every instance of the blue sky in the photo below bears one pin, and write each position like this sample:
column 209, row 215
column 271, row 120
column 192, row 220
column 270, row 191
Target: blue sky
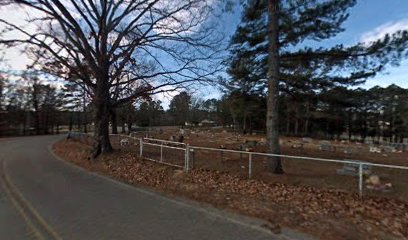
column 369, row 19
column 377, row 17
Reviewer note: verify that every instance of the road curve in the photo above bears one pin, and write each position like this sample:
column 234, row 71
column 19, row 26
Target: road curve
column 61, row 201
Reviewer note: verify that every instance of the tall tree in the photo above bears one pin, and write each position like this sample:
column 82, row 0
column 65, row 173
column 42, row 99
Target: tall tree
column 272, row 119
column 119, row 48
column 149, row 113
column 77, row 101
column 179, row 108
column 276, row 49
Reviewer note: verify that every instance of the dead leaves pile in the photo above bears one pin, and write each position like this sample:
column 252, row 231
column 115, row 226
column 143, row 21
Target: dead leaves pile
column 323, row 213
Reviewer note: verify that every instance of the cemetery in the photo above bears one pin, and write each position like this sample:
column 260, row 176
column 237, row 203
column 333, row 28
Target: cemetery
column 308, row 189
column 389, row 182
column 291, row 112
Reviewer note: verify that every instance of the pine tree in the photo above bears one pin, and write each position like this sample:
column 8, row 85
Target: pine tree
column 276, row 49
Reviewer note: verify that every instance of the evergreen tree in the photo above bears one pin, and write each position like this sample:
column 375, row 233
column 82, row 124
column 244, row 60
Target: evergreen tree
column 179, row 108
column 271, row 53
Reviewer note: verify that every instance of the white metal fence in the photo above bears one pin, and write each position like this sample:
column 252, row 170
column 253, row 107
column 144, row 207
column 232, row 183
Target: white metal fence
column 154, row 150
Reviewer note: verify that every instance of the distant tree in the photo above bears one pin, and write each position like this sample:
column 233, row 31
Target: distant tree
column 211, row 109
column 49, row 109
column 43, row 101
column 77, row 101
column 179, row 108
column 128, row 116
column 246, row 110
column 149, row 113
column 18, row 108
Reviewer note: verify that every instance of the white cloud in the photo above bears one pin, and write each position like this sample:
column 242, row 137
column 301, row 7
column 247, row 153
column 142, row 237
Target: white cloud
column 15, row 56
column 382, row 30
column 394, row 75
column 166, row 96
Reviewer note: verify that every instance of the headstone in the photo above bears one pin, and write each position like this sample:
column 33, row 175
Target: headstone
column 124, row 142
column 389, row 149
column 297, row 145
column 352, row 169
column 307, row 140
column 375, row 149
column 325, row 146
column 374, row 183
column 251, row 143
column 348, row 150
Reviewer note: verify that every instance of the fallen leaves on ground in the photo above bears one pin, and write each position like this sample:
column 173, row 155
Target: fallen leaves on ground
column 323, row 213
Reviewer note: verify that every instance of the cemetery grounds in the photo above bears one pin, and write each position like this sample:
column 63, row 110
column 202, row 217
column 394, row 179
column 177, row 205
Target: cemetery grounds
column 297, row 171
column 318, row 198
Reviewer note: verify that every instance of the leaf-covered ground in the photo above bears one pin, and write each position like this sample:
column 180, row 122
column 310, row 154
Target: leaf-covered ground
column 321, row 213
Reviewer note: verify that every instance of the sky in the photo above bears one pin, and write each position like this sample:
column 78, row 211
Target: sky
column 369, row 20
column 372, row 19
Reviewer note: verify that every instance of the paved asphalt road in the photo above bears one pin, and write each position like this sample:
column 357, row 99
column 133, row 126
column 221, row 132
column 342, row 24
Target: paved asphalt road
column 42, row 197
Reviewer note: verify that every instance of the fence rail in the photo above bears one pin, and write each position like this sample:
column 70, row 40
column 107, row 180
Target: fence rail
column 189, row 153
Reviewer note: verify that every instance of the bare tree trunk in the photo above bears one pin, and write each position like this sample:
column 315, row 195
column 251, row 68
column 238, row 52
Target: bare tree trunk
column 306, row 127
column 114, row 121
column 37, row 123
column 272, row 124
column 70, row 121
column 287, row 126
column 84, row 113
column 287, row 120
column 25, row 123
column 85, row 124
column 79, row 123
column 129, row 127
column 296, row 125
column 123, row 125
column 234, row 120
column 102, row 142
column 244, row 129
column 350, row 125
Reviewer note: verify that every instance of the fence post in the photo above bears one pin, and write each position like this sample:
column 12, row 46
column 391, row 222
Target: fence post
column 141, row 147
column 360, row 179
column 161, row 152
column 187, row 156
column 250, row 165
column 192, row 158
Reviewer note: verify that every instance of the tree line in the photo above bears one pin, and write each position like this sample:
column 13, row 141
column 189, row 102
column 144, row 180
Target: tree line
column 122, row 53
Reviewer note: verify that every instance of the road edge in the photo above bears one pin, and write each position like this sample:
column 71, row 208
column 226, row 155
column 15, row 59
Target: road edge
column 243, row 220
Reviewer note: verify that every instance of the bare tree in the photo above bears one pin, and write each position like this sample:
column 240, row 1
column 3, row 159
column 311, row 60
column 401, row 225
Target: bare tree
column 120, row 49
